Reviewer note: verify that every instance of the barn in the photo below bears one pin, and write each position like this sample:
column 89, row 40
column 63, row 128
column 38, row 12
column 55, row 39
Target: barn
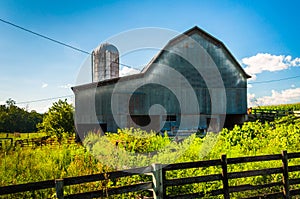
column 194, row 83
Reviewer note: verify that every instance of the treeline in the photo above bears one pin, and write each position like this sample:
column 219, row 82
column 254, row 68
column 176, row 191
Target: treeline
column 16, row 119
column 281, row 107
column 57, row 121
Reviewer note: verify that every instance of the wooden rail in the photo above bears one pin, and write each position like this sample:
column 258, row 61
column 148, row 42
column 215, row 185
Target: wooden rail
column 33, row 142
column 269, row 114
column 159, row 182
column 271, row 111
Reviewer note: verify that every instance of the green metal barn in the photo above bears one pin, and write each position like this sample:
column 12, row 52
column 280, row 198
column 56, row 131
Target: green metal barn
column 194, row 83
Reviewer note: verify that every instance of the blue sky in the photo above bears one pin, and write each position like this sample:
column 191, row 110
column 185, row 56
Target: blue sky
column 262, row 35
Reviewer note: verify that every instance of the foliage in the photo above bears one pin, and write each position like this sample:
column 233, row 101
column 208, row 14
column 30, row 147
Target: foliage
column 134, row 147
column 58, row 120
column 15, row 119
column 137, row 148
column 48, row 162
column 139, row 141
column 252, row 138
column 256, row 138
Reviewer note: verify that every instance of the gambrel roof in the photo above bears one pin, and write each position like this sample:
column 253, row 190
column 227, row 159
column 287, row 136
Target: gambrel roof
column 205, row 35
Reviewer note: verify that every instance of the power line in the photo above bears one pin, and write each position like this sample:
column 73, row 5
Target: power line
column 85, row 52
column 56, row 41
column 274, row 80
column 45, row 37
column 45, row 99
column 66, row 96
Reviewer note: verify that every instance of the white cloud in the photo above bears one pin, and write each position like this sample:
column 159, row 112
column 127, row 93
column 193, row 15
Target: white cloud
column 44, row 85
column 296, row 62
column 283, row 97
column 128, row 71
column 267, row 62
column 66, row 86
column 252, row 101
column 293, row 86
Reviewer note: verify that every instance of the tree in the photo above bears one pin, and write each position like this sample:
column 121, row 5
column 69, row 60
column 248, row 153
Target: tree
column 10, row 102
column 15, row 119
column 58, row 120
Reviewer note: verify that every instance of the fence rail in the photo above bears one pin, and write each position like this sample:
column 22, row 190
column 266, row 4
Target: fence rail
column 32, row 142
column 269, row 114
column 159, row 181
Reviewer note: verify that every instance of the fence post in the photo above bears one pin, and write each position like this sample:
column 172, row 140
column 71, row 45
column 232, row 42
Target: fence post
column 157, row 177
column 225, row 177
column 59, row 188
column 285, row 179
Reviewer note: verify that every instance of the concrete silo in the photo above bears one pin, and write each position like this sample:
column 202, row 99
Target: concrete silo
column 105, row 62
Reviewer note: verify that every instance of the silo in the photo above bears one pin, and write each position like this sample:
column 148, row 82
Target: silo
column 105, row 62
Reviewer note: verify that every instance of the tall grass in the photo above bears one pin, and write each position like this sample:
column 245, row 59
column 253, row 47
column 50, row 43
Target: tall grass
column 135, row 148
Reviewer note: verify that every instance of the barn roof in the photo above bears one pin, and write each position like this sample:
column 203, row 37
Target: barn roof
column 172, row 42
column 205, row 35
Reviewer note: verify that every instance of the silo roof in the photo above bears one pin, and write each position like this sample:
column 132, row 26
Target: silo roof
column 107, row 47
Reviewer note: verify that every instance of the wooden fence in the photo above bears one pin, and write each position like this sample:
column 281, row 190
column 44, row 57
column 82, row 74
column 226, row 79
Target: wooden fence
column 271, row 111
column 269, row 114
column 159, row 182
column 32, row 142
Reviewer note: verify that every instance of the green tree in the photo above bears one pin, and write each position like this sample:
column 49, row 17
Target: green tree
column 16, row 119
column 3, row 118
column 58, row 120
column 10, row 102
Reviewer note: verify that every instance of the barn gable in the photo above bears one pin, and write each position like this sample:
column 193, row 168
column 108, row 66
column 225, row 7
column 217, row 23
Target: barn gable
column 228, row 66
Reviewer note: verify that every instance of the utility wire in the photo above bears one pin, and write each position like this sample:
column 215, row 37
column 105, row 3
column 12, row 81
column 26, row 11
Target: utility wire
column 45, row 99
column 85, row 52
column 45, row 37
column 66, row 96
column 274, row 80
column 56, row 41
